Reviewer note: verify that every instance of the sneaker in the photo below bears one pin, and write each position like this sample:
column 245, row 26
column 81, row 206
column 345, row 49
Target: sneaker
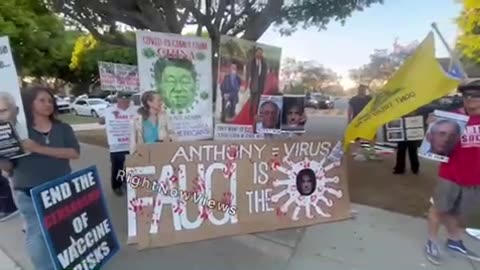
column 432, row 252
column 458, row 248
column 6, row 216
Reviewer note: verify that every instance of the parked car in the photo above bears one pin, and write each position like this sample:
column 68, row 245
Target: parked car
column 62, row 104
column 94, row 107
column 318, row 102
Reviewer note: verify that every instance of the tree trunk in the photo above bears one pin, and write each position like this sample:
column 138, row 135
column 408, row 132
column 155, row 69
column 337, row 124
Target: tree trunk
column 215, row 62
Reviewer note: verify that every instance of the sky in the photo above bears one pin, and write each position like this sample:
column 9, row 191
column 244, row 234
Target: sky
column 342, row 48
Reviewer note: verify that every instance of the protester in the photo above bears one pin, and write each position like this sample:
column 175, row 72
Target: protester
column 355, row 105
column 52, row 145
column 458, row 187
column 151, row 125
column 118, row 153
column 412, row 148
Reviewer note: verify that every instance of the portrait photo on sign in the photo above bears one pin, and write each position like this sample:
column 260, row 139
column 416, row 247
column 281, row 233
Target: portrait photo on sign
column 269, row 114
column 443, row 135
column 395, row 135
column 395, row 124
column 293, row 113
column 246, row 70
column 306, row 182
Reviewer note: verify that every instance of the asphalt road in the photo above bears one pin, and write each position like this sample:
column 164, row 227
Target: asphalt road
column 332, row 126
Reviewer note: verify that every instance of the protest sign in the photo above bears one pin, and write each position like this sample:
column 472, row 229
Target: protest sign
column 118, row 77
column 119, row 128
column 180, row 69
column 409, row 128
column 10, row 146
column 11, row 104
column 236, row 132
column 246, row 70
column 185, row 192
column 443, row 135
column 293, row 113
column 75, row 222
column 269, row 114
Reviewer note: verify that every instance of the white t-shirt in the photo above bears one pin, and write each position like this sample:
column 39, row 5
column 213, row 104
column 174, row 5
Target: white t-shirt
column 119, row 128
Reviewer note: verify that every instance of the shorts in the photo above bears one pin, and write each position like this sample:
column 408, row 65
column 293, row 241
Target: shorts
column 451, row 198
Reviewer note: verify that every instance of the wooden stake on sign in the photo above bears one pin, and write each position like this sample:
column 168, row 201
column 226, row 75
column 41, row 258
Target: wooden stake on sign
column 453, row 55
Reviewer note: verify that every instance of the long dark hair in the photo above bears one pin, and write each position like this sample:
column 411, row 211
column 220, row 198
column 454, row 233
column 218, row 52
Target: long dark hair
column 28, row 97
column 144, row 110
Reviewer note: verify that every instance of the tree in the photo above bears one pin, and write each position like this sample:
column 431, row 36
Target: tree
column 382, row 65
column 300, row 77
column 39, row 43
column 469, row 23
column 88, row 52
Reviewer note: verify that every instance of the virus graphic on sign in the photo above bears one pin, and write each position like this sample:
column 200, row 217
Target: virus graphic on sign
column 307, row 187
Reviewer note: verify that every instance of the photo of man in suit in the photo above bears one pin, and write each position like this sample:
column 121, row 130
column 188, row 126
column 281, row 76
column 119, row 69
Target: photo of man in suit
column 230, row 88
column 256, row 78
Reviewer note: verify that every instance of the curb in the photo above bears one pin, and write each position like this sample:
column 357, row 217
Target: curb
column 7, row 263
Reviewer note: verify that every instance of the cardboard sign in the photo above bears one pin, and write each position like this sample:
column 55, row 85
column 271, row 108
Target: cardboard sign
column 185, row 192
column 75, row 221
column 119, row 128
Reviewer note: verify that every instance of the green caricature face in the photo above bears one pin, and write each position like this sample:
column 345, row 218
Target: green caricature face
column 177, row 87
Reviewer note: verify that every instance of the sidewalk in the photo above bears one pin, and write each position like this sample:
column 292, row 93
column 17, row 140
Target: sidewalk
column 375, row 240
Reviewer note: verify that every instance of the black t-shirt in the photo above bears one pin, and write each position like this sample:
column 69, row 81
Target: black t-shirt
column 357, row 103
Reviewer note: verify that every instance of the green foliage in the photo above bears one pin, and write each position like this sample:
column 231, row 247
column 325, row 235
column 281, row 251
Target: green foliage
column 88, row 52
column 469, row 23
column 40, row 45
column 301, row 77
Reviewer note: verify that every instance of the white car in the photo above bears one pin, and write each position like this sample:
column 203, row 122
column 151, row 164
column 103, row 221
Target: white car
column 94, row 107
column 62, row 104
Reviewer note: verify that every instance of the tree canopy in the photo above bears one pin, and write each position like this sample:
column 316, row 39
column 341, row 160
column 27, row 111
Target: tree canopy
column 40, row 45
column 382, row 65
column 300, row 77
column 469, row 23
column 248, row 19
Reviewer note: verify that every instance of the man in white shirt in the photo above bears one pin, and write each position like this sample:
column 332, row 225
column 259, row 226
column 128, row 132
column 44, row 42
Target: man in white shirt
column 117, row 119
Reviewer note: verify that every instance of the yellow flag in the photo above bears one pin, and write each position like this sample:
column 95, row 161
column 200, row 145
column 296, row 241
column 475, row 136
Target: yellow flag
column 419, row 81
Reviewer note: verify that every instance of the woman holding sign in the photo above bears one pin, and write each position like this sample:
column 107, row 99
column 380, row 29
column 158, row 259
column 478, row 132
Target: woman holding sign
column 152, row 124
column 52, row 145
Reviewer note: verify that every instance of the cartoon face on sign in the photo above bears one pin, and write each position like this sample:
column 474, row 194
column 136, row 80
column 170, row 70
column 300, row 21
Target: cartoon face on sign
column 306, row 186
column 176, row 80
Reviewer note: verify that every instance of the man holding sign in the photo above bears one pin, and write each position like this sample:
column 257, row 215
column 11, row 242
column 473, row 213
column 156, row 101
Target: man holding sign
column 118, row 119
column 458, row 186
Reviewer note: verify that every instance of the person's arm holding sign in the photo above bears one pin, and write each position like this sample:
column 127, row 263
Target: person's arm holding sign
column 70, row 151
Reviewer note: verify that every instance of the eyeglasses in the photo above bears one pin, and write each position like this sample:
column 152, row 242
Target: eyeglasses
column 471, row 95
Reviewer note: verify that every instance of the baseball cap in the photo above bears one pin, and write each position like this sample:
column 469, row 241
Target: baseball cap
column 470, row 89
column 124, row 95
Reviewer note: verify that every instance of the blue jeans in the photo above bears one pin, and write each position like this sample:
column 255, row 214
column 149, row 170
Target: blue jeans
column 35, row 243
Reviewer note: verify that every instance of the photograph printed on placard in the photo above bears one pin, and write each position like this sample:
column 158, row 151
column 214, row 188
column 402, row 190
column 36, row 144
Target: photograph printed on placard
column 395, row 124
column 395, row 136
column 293, row 113
column 443, row 135
column 414, row 122
column 269, row 114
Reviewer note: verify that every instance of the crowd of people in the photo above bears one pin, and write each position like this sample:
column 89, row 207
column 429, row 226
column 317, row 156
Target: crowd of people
column 52, row 145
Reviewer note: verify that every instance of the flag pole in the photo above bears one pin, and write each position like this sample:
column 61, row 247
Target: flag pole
column 453, row 55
